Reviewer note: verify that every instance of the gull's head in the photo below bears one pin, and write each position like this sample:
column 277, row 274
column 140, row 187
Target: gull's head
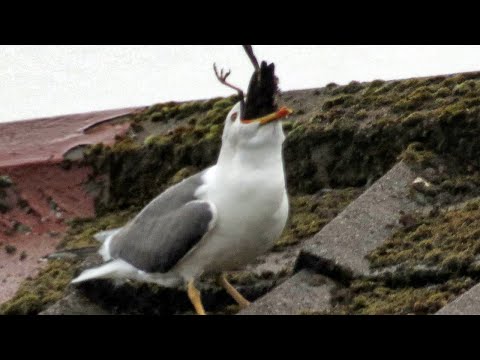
column 261, row 131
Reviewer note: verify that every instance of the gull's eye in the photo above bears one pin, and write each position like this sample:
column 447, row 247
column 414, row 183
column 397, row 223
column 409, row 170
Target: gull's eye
column 233, row 117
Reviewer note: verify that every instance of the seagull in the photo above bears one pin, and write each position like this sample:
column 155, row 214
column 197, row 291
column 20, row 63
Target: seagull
column 217, row 220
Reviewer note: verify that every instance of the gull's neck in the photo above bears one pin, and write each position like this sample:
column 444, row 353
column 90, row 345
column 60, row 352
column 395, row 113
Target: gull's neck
column 268, row 157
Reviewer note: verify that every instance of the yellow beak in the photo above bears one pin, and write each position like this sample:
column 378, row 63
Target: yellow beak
column 284, row 111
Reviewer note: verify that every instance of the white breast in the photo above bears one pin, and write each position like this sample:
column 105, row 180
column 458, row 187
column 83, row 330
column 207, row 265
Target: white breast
column 252, row 208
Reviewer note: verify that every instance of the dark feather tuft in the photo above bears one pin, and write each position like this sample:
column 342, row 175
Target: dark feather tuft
column 261, row 92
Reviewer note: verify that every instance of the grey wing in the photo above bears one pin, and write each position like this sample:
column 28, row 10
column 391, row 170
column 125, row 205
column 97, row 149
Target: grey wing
column 174, row 197
column 156, row 244
column 171, row 199
column 166, row 229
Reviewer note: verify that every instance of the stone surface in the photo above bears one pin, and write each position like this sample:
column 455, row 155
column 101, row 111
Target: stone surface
column 466, row 304
column 303, row 293
column 75, row 304
column 276, row 264
column 339, row 249
column 108, row 296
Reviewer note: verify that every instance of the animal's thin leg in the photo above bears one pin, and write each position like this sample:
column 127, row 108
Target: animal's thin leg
column 222, row 280
column 195, row 298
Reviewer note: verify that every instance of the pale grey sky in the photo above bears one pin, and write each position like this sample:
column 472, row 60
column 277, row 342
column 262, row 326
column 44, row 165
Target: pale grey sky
column 39, row 81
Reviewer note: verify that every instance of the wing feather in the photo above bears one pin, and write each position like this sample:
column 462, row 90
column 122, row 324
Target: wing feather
column 166, row 229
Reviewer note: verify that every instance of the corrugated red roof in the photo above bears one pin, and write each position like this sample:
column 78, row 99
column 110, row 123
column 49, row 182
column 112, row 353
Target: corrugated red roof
column 30, row 151
column 47, row 139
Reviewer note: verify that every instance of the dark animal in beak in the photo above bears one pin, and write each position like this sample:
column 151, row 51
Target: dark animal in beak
column 260, row 105
column 262, row 91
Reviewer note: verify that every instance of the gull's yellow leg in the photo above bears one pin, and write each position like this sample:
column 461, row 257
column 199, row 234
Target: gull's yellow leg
column 222, row 280
column 195, row 298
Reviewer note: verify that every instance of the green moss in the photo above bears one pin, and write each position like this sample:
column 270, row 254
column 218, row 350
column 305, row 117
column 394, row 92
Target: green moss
column 179, row 111
column 448, row 241
column 226, row 103
column 449, row 83
column 81, row 231
column 336, row 101
column 385, row 88
column 404, row 105
column 331, row 86
column 433, row 80
column 453, row 112
column 414, row 118
column 414, row 101
column 157, row 116
column 287, row 126
column 442, row 92
column 5, row 181
column 415, row 154
column 361, row 114
column 375, row 84
column 35, row 295
column 399, row 113
column 172, row 110
column 125, row 145
column 409, row 84
column 351, row 88
column 385, row 100
column 10, row 249
column 182, row 174
column 129, row 165
column 460, row 184
column 190, row 108
column 95, row 150
column 23, row 255
column 469, row 103
column 21, row 228
column 4, row 206
column 465, row 88
column 215, row 131
column 422, row 93
column 459, row 78
column 214, row 116
column 441, row 102
column 309, row 213
column 373, row 298
column 155, row 140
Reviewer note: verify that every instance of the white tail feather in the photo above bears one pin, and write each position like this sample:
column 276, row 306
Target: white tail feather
column 103, row 235
column 117, row 269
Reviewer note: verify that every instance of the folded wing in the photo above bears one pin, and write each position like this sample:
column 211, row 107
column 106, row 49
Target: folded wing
column 166, row 229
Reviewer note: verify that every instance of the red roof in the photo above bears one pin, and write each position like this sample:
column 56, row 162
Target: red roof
column 47, row 139
column 30, row 151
